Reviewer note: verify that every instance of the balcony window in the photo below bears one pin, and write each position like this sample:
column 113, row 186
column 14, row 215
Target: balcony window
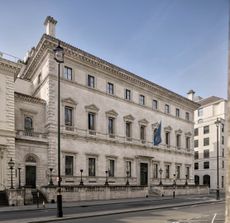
column 28, row 123
column 167, row 109
column 111, row 168
column 111, row 126
column 177, row 112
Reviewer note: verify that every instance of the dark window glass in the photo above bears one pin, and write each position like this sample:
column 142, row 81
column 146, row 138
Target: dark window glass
column 206, row 165
column 92, row 167
column 177, row 112
column 187, row 139
column 129, row 168
column 69, row 165
column 188, row 172
column 68, row 73
column 110, row 88
column 206, row 153
column 167, row 171
column 196, row 143
column 196, row 155
column 196, row 166
column 68, row 116
column 196, row 132
column 222, row 127
column 155, row 104
column 206, row 141
column 142, row 132
column 167, row 138
column 91, row 121
column 127, row 94
column 167, row 109
column 155, row 170
column 28, row 123
column 187, row 116
column 222, row 140
column 128, row 129
column 111, row 126
column 91, row 81
column 178, row 140
column 111, row 168
column 178, row 172
column 142, row 100
column 222, row 152
column 206, row 129
column 222, row 164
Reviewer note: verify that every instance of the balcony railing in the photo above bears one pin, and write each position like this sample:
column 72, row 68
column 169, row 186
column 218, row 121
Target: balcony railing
column 30, row 134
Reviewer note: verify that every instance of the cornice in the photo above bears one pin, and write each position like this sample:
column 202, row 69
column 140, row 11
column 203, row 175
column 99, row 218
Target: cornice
column 48, row 43
column 10, row 67
column 28, row 98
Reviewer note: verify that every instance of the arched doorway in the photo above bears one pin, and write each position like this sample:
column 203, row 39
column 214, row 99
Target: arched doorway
column 30, row 170
column 206, row 180
column 197, row 180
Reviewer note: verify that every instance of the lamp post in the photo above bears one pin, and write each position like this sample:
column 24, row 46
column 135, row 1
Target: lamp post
column 217, row 122
column 19, row 177
column 160, row 171
column 11, row 165
column 51, row 180
column 106, row 178
column 81, row 182
column 174, row 185
column 127, row 178
column 59, row 58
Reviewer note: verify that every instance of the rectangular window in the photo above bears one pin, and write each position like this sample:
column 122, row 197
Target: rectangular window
column 178, row 172
column 196, row 166
column 222, row 164
column 69, row 165
column 127, row 94
column 206, row 141
column 222, row 181
column 110, row 88
column 167, row 111
column 188, row 172
column 111, row 126
column 128, row 129
column 196, row 143
column 206, row 165
column 178, row 141
column 167, row 138
column 222, row 127
column 155, row 170
column 206, row 153
column 187, row 140
column 196, row 155
column 91, row 81
column 142, row 100
column 196, row 132
column 167, row 171
column 68, row 116
column 187, row 116
column 155, row 104
column 177, row 112
column 91, row 121
column 206, row 129
column 200, row 112
column 222, row 152
column 92, row 167
column 68, row 73
column 111, row 168
column 129, row 168
column 222, row 140
column 142, row 133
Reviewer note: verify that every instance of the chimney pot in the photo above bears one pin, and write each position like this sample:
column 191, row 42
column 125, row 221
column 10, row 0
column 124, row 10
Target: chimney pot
column 50, row 25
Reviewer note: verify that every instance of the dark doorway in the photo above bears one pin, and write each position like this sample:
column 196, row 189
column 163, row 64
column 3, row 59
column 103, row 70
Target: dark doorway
column 144, row 174
column 206, row 180
column 197, row 180
column 31, row 176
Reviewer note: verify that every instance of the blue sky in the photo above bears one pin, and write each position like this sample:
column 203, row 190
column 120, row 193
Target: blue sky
column 178, row 44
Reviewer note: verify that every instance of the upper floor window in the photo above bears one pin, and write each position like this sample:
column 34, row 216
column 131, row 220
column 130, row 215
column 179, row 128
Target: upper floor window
column 187, row 141
column 196, row 143
column 206, row 153
column 187, row 116
column 222, row 140
column 167, row 110
column 91, row 121
column 196, row 132
column 28, row 123
column 127, row 94
column 200, row 112
column 167, row 138
column 155, row 104
column 177, row 112
column 69, row 165
column 68, row 73
column 92, row 167
column 91, row 81
column 155, row 170
column 142, row 99
column 196, row 155
column 222, row 127
column 39, row 78
column 110, row 88
column 206, row 165
column 128, row 129
column 129, row 168
column 206, row 129
column 178, row 140
column 111, row 126
column 206, row 141
column 196, row 166
column 68, row 116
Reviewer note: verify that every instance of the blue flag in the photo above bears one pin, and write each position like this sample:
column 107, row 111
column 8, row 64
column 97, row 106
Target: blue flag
column 157, row 135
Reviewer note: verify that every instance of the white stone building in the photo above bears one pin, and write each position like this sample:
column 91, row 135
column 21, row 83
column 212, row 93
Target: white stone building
column 108, row 118
column 205, row 141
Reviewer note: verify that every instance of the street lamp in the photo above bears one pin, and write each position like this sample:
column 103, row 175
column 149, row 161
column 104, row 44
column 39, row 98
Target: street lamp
column 81, row 182
column 174, row 185
column 59, row 58
column 127, row 178
column 106, row 178
column 11, row 165
column 217, row 122
column 19, row 177
column 160, row 171
column 51, row 180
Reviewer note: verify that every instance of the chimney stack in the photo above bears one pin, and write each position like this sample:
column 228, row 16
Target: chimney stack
column 50, row 24
column 190, row 95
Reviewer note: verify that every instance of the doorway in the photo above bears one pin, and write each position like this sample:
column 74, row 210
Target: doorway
column 31, row 176
column 143, row 174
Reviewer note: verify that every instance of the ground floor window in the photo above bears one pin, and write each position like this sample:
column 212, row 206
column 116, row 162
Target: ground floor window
column 92, row 167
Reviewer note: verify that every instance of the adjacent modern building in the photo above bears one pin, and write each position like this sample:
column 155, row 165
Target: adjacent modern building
column 108, row 120
column 210, row 137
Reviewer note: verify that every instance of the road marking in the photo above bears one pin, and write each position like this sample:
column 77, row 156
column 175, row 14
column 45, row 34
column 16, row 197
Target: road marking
column 214, row 218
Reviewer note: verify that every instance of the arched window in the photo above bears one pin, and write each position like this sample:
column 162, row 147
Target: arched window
column 28, row 123
column 197, row 180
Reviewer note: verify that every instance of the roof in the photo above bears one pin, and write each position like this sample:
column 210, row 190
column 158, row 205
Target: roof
column 209, row 100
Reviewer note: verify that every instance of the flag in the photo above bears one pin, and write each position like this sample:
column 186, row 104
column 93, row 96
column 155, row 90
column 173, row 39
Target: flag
column 157, row 135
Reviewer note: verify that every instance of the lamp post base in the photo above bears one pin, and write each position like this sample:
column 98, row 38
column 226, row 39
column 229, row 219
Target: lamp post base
column 59, row 206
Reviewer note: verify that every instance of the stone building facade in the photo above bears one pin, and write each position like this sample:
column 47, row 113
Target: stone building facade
column 108, row 121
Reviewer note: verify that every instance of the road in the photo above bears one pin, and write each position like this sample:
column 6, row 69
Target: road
column 205, row 213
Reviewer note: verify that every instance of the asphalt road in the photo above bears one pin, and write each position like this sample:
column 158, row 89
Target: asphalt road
column 92, row 208
column 204, row 213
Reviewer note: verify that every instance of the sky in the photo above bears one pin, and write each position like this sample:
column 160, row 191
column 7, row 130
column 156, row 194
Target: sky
column 178, row 44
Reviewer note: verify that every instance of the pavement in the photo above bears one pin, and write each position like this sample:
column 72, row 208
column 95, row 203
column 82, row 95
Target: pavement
column 198, row 200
